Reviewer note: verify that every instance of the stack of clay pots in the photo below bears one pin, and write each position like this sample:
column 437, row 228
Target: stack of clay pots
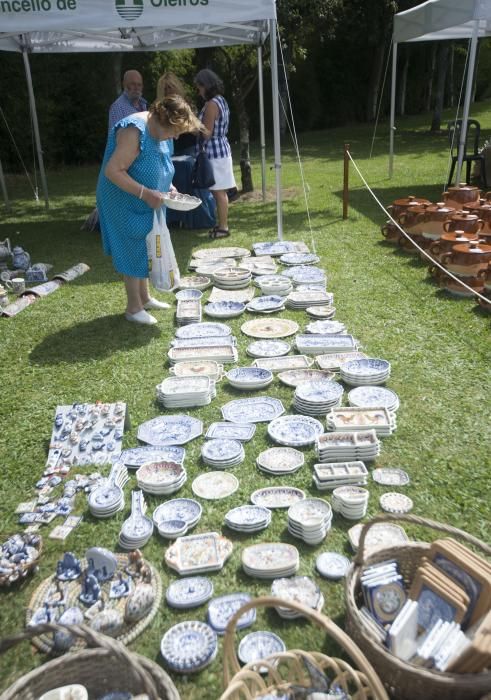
column 455, row 232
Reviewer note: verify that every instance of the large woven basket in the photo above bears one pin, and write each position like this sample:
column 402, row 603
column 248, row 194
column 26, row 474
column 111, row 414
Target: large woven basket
column 107, row 666
column 287, row 668
column 403, row 680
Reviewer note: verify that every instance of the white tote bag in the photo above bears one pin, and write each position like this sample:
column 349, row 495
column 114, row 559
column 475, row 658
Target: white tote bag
column 162, row 263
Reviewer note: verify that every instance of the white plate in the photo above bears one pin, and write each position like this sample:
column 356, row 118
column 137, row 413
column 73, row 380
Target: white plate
column 215, row 485
column 179, row 201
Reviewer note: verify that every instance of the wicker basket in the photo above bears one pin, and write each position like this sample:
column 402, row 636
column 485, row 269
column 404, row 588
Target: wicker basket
column 107, row 666
column 23, row 569
column 287, row 668
column 403, row 680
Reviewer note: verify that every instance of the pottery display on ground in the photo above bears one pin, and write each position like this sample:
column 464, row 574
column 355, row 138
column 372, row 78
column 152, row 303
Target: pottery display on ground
column 462, row 195
column 468, row 259
column 463, row 221
column 399, row 206
column 446, row 243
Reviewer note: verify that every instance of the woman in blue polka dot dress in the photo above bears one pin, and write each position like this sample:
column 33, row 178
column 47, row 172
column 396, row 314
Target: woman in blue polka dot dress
column 136, row 169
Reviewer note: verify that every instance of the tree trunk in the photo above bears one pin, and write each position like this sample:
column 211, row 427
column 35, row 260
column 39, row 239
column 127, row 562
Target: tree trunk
column 245, row 162
column 442, row 64
column 117, row 62
column 403, row 83
column 374, row 85
column 431, row 75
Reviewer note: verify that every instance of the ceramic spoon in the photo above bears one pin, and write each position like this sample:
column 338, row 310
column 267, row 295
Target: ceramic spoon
column 137, row 526
column 111, row 492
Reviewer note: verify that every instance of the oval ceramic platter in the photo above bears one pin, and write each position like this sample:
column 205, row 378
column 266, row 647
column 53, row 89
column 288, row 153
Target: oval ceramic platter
column 277, row 496
column 269, row 328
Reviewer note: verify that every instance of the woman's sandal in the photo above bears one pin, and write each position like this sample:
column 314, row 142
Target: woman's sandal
column 217, row 232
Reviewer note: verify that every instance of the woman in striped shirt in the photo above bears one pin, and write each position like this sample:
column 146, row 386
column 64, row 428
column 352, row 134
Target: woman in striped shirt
column 215, row 115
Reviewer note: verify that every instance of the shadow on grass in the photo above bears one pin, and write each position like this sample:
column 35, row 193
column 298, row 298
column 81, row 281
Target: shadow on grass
column 94, row 339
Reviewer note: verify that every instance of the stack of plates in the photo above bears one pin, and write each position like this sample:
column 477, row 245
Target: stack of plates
column 208, row 267
column 248, row 518
column 108, row 498
column 266, row 304
column 317, row 344
column 306, row 274
column 233, row 431
column 195, row 368
column 224, row 309
column 161, row 478
column 334, row 360
column 222, row 453
column 348, row 447
column 262, row 265
column 249, row 378
column 350, row 501
column 194, row 282
column 330, row 475
column 187, row 510
column 203, row 341
column 185, row 392
column 302, row 299
column 276, row 248
column 300, row 589
column 299, row 259
column 295, row 431
column 270, row 560
column 373, row 397
column 218, row 353
column 310, row 520
column 268, row 348
column 322, row 311
column 324, row 327
column 280, row 460
column 351, row 418
column 371, row 371
column 232, row 277
column 315, row 398
column 274, row 284
column 188, row 311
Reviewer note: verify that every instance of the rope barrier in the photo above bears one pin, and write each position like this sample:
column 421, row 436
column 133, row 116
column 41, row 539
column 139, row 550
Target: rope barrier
column 34, row 189
column 408, row 237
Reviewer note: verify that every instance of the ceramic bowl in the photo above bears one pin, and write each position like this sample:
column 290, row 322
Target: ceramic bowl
column 186, row 294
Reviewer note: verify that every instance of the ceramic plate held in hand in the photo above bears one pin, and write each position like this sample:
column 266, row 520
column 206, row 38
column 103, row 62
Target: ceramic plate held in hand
column 181, row 202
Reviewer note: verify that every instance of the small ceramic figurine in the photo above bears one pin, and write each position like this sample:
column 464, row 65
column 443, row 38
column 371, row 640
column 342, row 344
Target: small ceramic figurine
column 62, row 639
column 139, row 602
column 91, row 590
column 120, row 588
column 102, row 563
column 21, row 260
column 109, row 621
column 68, row 568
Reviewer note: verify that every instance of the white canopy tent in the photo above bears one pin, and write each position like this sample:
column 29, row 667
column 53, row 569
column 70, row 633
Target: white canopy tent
column 437, row 20
column 60, row 26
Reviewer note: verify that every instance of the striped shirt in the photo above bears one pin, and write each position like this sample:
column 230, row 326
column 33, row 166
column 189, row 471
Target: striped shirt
column 122, row 107
column 217, row 146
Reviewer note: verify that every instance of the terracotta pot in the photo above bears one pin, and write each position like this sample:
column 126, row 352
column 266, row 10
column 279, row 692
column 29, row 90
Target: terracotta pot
column 486, row 305
column 462, row 195
column 447, row 242
column 483, row 211
column 412, row 220
column 463, row 221
column 476, row 283
column 468, row 259
column 435, row 217
column 406, row 244
column 399, row 206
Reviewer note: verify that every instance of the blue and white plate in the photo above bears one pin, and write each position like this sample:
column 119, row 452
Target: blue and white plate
column 186, row 509
column 319, row 343
column 170, row 430
column 271, row 302
column 276, row 248
column 373, row 397
column 201, row 330
column 305, row 274
column 257, row 410
column 222, row 454
column 299, row 259
column 189, row 592
column 249, row 377
column 326, row 327
column 371, row 371
column 231, row 431
column 248, row 518
column 295, row 431
column 268, row 348
column 224, row 309
column 222, row 609
column 332, row 565
column 207, row 340
column 259, row 645
column 187, row 294
column 136, row 456
column 189, row 646
column 323, row 391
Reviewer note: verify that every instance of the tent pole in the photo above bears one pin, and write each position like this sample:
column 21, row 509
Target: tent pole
column 467, row 99
column 32, row 103
column 276, row 125
column 261, row 118
column 392, row 108
column 4, row 188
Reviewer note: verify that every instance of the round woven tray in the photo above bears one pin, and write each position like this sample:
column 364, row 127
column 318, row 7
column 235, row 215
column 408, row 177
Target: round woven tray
column 106, row 666
column 403, row 680
column 129, row 631
column 359, row 680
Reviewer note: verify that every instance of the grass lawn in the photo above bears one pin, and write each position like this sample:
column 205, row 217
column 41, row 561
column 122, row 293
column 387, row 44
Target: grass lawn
column 76, row 346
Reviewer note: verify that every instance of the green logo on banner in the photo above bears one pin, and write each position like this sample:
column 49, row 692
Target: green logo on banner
column 129, row 9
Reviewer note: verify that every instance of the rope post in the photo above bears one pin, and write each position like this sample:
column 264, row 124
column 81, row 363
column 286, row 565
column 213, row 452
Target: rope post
column 346, row 181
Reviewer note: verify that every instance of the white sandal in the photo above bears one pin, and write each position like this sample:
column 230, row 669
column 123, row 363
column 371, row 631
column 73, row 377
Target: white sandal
column 153, row 303
column 141, row 317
